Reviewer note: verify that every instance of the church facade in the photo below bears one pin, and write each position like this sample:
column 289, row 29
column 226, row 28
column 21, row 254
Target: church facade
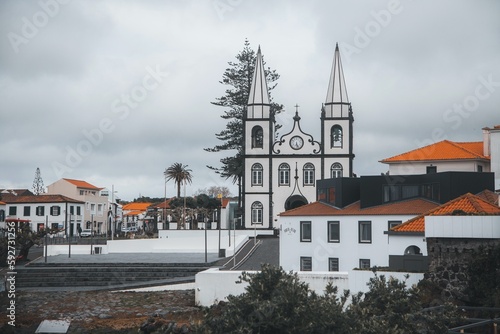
column 280, row 173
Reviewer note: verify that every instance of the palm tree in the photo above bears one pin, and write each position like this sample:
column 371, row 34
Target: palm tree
column 179, row 173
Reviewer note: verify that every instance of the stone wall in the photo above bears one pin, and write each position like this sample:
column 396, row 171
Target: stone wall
column 448, row 265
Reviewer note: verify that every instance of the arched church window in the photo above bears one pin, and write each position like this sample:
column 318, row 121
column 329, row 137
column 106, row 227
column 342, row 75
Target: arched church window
column 308, row 174
column 336, row 170
column 256, row 213
column 257, row 174
column 284, row 174
column 257, row 137
column 336, row 136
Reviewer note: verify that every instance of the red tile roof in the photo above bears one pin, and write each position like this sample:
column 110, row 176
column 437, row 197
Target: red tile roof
column 83, row 184
column 443, row 150
column 41, row 199
column 467, row 203
column 409, row 207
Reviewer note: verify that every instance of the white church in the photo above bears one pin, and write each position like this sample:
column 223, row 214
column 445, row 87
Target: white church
column 280, row 174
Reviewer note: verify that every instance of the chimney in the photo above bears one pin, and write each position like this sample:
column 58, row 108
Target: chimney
column 486, row 141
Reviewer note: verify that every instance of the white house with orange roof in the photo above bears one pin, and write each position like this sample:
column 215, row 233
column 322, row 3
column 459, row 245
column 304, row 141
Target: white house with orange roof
column 468, row 216
column 133, row 216
column 446, row 155
column 96, row 204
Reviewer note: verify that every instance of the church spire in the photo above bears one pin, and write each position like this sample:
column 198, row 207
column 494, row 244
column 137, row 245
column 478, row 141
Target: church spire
column 337, row 102
column 258, row 99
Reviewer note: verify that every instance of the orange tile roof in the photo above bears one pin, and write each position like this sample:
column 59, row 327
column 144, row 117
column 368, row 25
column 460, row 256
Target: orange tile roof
column 82, row 184
column 43, row 198
column 489, row 196
column 409, row 207
column 443, row 150
column 467, row 203
column 136, row 206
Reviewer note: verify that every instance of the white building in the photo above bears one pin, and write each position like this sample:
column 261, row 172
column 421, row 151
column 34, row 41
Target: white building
column 96, row 205
column 53, row 211
column 320, row 237
column 281, row 173
column 446, row 155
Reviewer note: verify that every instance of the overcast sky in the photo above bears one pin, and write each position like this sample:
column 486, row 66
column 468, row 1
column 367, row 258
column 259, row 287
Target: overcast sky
column 114, row 92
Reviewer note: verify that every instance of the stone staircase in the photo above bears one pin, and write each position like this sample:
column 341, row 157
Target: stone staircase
column 102, row 276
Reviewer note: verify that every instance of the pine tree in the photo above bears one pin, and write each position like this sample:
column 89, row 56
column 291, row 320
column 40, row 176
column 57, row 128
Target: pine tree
column 38, row 187
column 239, row 77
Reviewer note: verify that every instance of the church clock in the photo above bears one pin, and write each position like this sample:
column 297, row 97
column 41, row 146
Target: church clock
column 296, row 142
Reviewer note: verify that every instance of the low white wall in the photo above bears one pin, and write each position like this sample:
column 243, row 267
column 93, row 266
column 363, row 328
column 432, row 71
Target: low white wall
column 179, row 242
column 75, row 249
column 358, row 279
column 213, row 285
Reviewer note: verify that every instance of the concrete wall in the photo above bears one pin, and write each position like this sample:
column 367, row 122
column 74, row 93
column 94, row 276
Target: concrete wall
column 213, row 285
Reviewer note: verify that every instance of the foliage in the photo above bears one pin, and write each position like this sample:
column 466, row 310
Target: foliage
column 179, row 173
column 391, row 307
column 195, row 206
column 214, row 191
column 484, row 277
column 239, row 79
column 278, row 302
column 25, row 238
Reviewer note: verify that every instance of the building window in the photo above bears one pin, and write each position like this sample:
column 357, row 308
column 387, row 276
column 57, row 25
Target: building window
column 78, row 210
column 81, row 193
column 55, row 210
column 256, row 213
column 333, row 264
column 336, row 136
column 305, row 263
column 305, row 231
column 71, row 210
column 12, row 210
column 393, row 223
column 257, row 137
column 284, row 174
column 336, row 170
column 409, row 191
column 364, row 263
column 479, row 168
column 334, row 231
column 308, row 174
column 27, row 211
column 431, row 169
column 40, row 210
column 92, row 207
column 365, row 232
column 2, row 215
column 100, row 209
column 257, row 175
